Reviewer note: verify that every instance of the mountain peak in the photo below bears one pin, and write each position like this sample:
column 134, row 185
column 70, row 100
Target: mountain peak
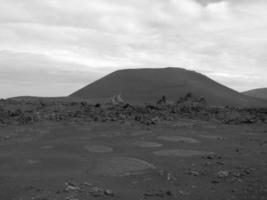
column 149, row 84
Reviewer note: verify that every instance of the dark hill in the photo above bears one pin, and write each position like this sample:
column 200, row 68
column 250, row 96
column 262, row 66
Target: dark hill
column 148, row 85
column 259, row 93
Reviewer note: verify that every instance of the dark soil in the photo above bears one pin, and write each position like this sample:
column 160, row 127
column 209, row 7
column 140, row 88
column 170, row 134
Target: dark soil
column 49, row 161
column 63, row 150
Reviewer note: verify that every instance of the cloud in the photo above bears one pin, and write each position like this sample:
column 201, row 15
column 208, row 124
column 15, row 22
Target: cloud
column 221, row 38
column 33, row 74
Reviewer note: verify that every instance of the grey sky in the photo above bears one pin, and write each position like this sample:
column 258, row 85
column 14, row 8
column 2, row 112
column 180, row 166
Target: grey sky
column 54, row 47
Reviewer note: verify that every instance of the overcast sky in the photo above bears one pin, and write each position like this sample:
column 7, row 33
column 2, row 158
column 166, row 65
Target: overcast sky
column 53, row 47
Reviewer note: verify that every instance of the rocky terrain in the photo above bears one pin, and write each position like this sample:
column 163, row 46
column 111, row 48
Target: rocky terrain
column 19, row 111
column 66, row 149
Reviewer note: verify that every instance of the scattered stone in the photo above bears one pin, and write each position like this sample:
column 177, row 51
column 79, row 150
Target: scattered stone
column 184, row 193
column 69, row 198
column 167, row 175
column 96, row 192
column 109, row 192
column 215, row 181
column 70, row 187
column 210, row 157
column 219, row 163
column 158, row 193
column 223, row 174
column 213, row 156
column 193, row 172
column 87, row 184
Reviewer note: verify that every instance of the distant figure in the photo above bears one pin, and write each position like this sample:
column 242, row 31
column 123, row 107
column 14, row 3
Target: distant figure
column 162, row 100
column 117, row 99
column 188, row 96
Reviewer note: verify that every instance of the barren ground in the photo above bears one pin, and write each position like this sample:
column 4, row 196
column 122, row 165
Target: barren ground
column 171, row 160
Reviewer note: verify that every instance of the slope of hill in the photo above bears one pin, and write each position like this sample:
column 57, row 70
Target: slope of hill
column 45, row 99
column 148, row 85
column 259, row 93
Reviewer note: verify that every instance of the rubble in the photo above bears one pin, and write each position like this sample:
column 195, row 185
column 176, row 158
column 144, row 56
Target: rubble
column 70, row 187
column 73, row 190
column 223, row 174
column 31, row 111
column 193, row 172
column 157, row 193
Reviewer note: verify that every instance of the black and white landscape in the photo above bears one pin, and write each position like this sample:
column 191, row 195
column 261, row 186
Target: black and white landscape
column 133, row 100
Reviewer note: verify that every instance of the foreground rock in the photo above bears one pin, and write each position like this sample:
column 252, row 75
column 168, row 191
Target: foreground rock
column 19, row 111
